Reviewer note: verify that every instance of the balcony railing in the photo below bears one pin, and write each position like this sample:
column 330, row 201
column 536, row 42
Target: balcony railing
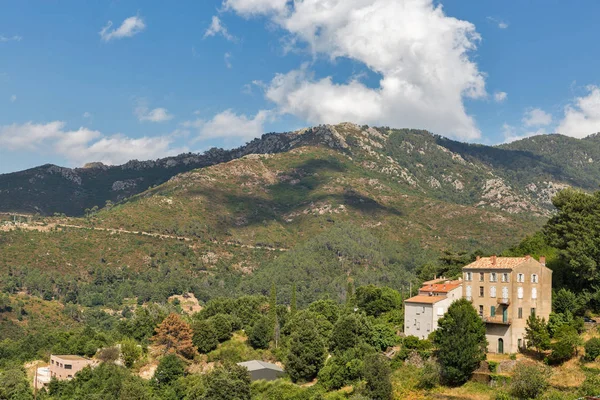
column 497, row 320
column 505, row 302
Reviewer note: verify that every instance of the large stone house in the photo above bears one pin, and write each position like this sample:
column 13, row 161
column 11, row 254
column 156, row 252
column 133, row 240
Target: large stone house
column 505, row 291
column 422, row 312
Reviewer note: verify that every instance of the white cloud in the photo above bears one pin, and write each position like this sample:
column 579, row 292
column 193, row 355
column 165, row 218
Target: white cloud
column 536, row 117
column 582, row 117
column 501, row 24
column 14, row 38
column 131, row 26
column 159, row 114
column 13, row 98
column 499, row 97
column 227, row 57
column 228, row 124
column 87, row 114
column 216, row 27
column 83, row 145
column 421, row 54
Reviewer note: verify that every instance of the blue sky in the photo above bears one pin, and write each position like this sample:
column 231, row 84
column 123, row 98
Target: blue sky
column 162, row 78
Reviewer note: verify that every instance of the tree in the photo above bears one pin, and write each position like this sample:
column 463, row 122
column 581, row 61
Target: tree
column 306, row 353
column 272, row 303
column 529, row 380
column 229, row 382
column 375, row 301
column 176, row 335
column 293, row 306
column 222, row 325
column 564, row 301
column 14, row 385
column 377, row 373
column 205, row 336
column 460, row 341
column 130, row 351
column 573, row 230
column 261, row 334
column 169, row 369
column 592, row 349
column 565, row 346
column 327, row 308
column 536, row 333
column 349, row 293
column 349, row 331
column 109, row 354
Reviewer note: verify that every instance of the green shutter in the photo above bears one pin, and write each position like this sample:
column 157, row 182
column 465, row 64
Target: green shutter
column 493, row 311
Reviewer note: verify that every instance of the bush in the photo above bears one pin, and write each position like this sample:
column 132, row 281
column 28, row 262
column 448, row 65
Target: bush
column 376, row 372
column 566, row 345
column 429, row 376
column 169, row 369
column 592, row 349
column 529, row 381
column 591, row 385
column 493, row 366
column 261, row 334
column 130, row 351
column 222, row 325
column 205, row 337
column 108, row 354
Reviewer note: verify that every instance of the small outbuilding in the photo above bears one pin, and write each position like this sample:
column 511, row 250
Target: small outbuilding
column 262, row 370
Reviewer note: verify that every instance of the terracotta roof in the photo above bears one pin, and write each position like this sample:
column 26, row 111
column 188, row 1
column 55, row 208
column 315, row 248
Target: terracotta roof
column 425, row 299
column 441, row 287
column 501, row 263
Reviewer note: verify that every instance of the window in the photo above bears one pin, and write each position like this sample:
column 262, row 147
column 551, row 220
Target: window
column 520, row 345
column 415, row 322
column 52, row 361
column 533, row 311
column 505, row 292
column 505, row 277
column 493, row 277
column 520, row 312
column 480, row 291
column 492, row 311
column 68, row 366
column 418, row 326
column 481, row 311
column 520, row 278
column 423, row 310
column 481, row 277
column 493, row 292
column 533, row 293
column 428, row 327
column 534, row 278
column 469, row 293
column 440, row 311
column 468, row 276
column 520, row 293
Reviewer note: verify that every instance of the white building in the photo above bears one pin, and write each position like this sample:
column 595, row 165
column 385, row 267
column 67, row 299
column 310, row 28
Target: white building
column 422, row 312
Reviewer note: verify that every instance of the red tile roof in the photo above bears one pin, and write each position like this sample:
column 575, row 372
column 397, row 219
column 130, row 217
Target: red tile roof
column 443, row 287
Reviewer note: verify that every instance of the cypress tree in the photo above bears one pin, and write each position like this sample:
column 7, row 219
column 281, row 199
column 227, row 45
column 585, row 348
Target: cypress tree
column 293, row 306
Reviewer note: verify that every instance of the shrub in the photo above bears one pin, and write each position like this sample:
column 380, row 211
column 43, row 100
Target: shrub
column 223, row 326
column 261, row 333
column 592, row 349
column 376, row 372
column 529, row 381
column 493, row 366
column 205, row 336
column 130, row 352
column 591, row 385
column 169, row 369
column 108, row 354
column 429, row 376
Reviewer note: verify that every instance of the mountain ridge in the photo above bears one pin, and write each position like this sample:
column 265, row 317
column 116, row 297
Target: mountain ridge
column 519, row 176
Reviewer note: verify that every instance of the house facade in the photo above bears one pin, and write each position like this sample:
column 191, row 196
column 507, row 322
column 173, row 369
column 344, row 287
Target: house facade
column 422, row 312
column 505, row 291
column 64, row 367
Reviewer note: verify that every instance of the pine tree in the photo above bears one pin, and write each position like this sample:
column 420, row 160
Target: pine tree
column 176, row 335
column 536, row 333
column 349, row 293
column 272, row 302
column 293, row 306
column 460, row 341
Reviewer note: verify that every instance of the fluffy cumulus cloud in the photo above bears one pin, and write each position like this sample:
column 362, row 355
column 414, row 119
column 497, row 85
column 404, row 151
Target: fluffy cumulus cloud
column 499, row 97
column 130, row 27
column 582, row 117
column 228, row 125
column 159, row 114
column 83, row 145
column 217, row 28
column 421, row 54
column 536, row 117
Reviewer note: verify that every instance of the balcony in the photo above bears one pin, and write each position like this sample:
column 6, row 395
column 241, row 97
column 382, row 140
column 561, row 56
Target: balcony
column 497, row 320
column 505, row 302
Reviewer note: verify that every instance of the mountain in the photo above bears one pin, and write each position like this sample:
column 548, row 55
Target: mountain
column 315, row 207
column 521, row 176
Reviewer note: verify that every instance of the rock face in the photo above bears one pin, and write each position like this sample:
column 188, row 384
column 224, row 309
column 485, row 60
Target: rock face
column 519, row 178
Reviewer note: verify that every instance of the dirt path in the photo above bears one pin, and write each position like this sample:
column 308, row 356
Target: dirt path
column 49, row 227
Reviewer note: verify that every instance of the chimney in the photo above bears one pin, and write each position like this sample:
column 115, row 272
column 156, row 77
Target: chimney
column 493, row 259
column 527, row 257
column 543, row 260
column 477, row 258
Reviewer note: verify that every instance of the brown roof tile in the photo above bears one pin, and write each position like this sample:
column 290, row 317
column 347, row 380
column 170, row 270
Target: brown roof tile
column 441, row 287
column 500, row 263
column 425, row 299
